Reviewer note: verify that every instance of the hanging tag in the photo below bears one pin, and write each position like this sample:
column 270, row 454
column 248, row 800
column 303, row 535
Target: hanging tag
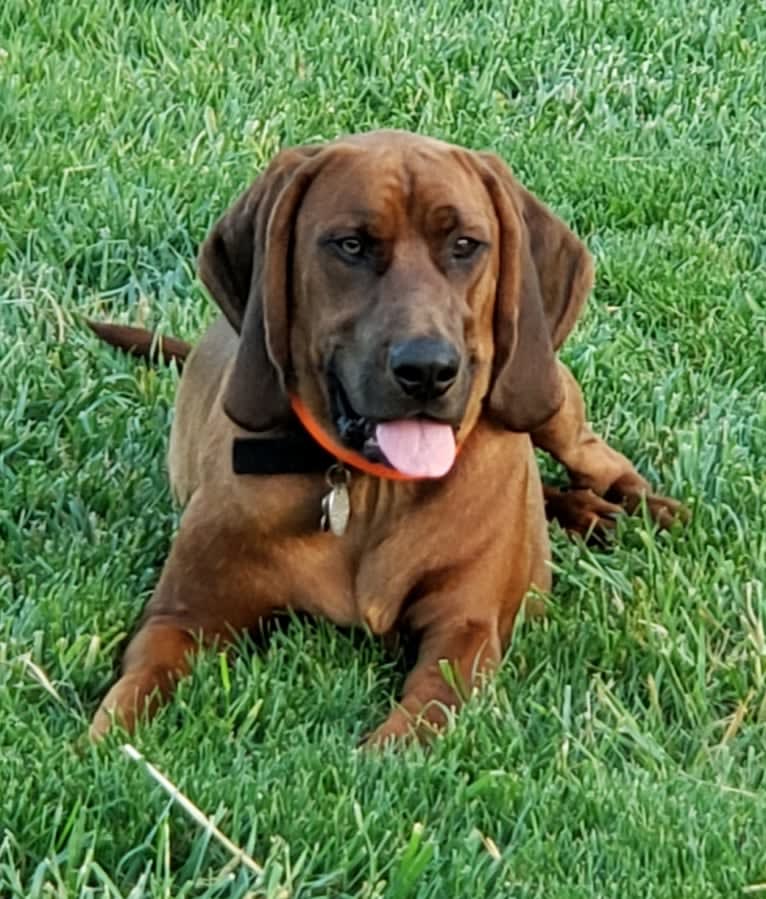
column 336, row 505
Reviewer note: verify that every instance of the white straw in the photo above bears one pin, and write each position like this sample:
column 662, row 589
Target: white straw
column 197, row 814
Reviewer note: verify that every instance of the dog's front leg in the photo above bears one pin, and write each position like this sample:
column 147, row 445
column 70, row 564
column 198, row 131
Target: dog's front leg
column 452, row 658
column 595, row 469
column 157, row 656
column 210, row 590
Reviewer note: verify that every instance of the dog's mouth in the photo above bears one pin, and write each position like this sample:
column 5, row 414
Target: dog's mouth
column 416, row 446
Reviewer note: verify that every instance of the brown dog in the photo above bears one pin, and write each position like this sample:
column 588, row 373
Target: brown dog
column 400, row 300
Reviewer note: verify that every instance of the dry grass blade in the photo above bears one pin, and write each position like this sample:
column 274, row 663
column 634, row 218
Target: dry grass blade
column 193, row 811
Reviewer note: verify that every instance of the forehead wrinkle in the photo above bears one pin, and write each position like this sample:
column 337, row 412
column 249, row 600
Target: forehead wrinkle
column 366, row 190
column 452, row 196
column 447, row 217
column 394, row 190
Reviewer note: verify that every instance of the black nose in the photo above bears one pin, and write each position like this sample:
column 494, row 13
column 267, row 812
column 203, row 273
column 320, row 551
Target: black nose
column 424, row 368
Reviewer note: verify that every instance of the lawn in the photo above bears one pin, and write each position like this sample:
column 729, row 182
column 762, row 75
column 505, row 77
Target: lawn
column 622, row 749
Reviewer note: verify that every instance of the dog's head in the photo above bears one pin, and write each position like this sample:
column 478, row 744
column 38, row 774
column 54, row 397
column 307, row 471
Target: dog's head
column 398, row 287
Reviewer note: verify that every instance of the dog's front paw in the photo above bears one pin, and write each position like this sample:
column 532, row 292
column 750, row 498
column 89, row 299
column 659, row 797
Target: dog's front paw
column 395, row 729
column 581, row 511
column 631, row 490
column 401, row 729
column 130, row 698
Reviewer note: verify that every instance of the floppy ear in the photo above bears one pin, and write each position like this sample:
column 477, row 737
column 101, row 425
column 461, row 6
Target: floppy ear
column 244, row 263
column 544, row 279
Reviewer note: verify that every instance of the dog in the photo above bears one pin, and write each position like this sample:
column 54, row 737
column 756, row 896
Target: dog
column 354, row 437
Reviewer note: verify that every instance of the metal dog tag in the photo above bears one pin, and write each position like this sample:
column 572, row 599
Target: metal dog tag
column 336, row 505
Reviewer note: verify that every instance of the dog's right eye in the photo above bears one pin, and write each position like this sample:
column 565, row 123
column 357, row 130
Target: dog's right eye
column 352, row 247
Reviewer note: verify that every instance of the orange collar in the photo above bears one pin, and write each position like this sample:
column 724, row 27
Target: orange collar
column 355, row 460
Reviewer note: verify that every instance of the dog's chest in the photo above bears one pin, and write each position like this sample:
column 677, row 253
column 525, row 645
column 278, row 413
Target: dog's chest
column 397, row 536
column 309, row 567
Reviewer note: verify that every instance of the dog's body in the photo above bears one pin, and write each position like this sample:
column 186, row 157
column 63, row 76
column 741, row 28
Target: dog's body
column 363, row 577
column 410, row 288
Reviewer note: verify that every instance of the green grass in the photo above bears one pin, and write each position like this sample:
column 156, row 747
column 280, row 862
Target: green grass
column 622, row 749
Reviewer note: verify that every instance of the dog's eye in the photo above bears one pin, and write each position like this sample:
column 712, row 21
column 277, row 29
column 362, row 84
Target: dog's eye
column 465, row 247
column 350, row 246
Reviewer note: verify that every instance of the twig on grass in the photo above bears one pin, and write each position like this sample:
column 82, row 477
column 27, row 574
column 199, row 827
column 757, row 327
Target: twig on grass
column 193, row 811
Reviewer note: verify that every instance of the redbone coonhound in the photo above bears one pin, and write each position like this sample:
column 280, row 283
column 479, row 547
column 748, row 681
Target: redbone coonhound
column 354, row 438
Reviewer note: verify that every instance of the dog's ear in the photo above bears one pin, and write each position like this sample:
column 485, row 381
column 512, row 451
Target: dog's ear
column 245, row 264
column 545, row 276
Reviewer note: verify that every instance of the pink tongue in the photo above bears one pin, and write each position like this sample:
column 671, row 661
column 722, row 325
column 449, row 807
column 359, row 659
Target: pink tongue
column 417, row 447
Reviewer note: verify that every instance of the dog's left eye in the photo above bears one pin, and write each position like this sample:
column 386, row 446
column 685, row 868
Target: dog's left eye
column 465, row 247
